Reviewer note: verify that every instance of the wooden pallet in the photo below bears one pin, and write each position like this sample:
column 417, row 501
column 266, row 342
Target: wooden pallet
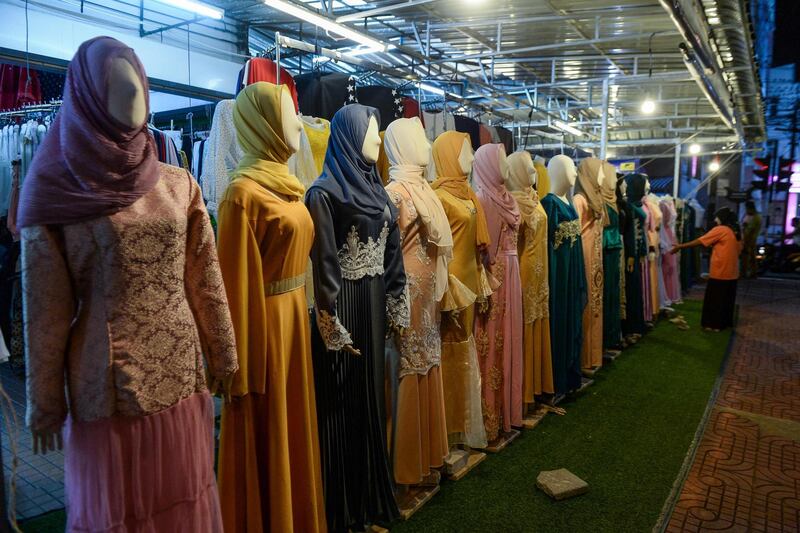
column 475, row 458
column 533, row 417
column 502, row 441
column 585, row 384
column 414, row 498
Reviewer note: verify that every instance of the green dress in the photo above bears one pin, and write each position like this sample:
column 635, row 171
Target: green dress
column 635, row 239
column 568, row 292
column 612, row 298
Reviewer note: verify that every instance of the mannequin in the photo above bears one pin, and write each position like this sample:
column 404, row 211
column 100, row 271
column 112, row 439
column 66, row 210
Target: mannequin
column 269, row 465
column 563, row 174
column 591, row 208
column 419, row 431
column 532, row 252
column 501, row 360
column 613, row 260
column 360, row 294
column 452, row 156
column 568, row 291
column 150, row 331
column 636, row 251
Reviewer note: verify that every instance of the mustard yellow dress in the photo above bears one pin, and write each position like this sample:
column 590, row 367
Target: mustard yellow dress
column 269, row 465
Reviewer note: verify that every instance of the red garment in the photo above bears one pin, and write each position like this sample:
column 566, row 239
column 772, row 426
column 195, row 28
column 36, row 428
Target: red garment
column 29, row 90
column 411, row 109
column 9, row 81
column 486, row 135
column 263, row 69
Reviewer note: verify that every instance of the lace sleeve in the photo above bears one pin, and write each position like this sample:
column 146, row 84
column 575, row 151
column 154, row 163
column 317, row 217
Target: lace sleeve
column 398, row 312
column 327, row 272
column 205, row 290
column 48, row 312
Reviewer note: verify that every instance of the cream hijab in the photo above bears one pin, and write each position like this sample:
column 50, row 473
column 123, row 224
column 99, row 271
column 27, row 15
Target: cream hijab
column 520, row 186
column 408, row 151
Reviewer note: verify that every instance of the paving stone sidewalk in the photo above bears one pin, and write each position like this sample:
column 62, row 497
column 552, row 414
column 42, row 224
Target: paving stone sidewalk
column 746, row 473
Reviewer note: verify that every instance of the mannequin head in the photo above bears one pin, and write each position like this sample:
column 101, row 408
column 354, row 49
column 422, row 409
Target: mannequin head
column 291, row 125
column 372, row 142
column 563, row 173
column 405, row 143
column 522, row 174
column 466, row 157
column 126, row 97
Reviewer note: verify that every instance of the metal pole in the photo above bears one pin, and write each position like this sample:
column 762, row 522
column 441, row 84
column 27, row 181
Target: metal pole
column 676, row 179
column 277, row 58
column 604, row 123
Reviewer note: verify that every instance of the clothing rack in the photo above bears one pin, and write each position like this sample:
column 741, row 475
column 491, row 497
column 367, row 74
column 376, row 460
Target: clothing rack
column 23, row 111
column 281, row 41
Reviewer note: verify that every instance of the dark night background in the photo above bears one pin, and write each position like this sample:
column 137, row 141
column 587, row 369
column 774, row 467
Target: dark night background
column 786, row 48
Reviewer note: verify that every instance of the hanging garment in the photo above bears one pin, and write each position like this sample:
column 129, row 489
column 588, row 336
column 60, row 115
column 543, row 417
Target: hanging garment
column 269, row 464
column 635, row 242
column 589, row 204
column 460, row 367
column 419, row 432
column 411, row 109
column 486, row 135
column 301, row 163
column 264, row 69
column 29, row 90
column 653, row 223
column 437, row 122
column 669, row 262
column 532, row 251
column 568, row 292
column 498, row 334
column 322, row 94
column 612, row 262
column 9, row 81
column 382, row 164
column 506, row 139
column 221, row 157
column 358, row 280
column 318, row 131
column 385, row 99
column 471, row 127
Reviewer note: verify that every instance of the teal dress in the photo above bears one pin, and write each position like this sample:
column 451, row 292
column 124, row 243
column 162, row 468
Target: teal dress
column 612, row 286
column 635, row 239
column 567, row 292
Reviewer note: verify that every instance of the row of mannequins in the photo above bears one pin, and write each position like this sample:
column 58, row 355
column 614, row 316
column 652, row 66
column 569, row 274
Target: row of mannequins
column 439, row 310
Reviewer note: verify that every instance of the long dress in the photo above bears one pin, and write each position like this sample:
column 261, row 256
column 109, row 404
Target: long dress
column 460, row 369
column 568, row 292
column 420, row 429
column 612, row 250
column 360, row 288
column 498, row 336
column 269, row 464
column 592, row 240
column 537, row 359
column 669, row 262
column 121, row 309
column 635, row 241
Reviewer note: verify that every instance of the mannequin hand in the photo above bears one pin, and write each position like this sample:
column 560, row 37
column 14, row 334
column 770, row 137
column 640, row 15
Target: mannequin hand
column 630, row 264
column 483, row 307
column 45, row 440
column 223, row 387
column 348, row 348
column 396, row 330
column 651, row 256
column 454, row 318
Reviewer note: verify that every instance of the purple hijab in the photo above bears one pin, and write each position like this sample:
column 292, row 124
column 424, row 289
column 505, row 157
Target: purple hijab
column 90, row 164
column 490, row 185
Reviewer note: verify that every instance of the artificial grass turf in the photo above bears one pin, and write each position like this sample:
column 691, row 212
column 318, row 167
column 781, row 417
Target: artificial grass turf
column 627, row 436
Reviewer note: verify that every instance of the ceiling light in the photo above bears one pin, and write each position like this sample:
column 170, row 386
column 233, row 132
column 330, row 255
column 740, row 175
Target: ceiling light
column 694, row 148
column 431, row 89
column 648, row 106
column 563, row 126
column 713, row 166
column 196, row 7
column 326, row 24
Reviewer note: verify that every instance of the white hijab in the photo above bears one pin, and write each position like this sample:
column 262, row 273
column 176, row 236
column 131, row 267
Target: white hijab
column 408, row 152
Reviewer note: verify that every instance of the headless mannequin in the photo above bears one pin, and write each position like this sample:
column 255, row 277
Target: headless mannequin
column 369, row 149
column 563, row 174
column 126, row 103
column 623, row 187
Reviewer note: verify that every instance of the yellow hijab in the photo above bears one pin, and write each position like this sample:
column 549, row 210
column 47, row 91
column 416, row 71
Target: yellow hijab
column 446, row 152
column 259, row 128
column 542, row 179
column 519, row 185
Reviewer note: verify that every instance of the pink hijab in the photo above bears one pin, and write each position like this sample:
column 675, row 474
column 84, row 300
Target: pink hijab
column 499, row 205
column 89, row 165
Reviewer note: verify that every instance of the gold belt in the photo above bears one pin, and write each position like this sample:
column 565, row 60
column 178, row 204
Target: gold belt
column 285, row 285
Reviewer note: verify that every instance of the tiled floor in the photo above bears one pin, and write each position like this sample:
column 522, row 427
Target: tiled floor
column 40, row 478
column 746, row 473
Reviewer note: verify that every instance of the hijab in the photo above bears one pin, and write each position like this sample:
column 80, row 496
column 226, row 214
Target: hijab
column 90, row 164
column 490, row 182
column 259, row 128
column 519, row 185
column 405, row 138
column 588, row 172
column 542, row 178
column 636, row 184
column 609, row 188
column 347, row 177
column 446, row 153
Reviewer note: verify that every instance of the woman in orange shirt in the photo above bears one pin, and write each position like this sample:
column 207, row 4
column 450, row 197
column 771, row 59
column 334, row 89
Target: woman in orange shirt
column 720, row 297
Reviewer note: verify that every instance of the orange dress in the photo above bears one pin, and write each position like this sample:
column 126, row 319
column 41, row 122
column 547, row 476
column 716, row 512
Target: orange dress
column 269, row 464
column 592, row 239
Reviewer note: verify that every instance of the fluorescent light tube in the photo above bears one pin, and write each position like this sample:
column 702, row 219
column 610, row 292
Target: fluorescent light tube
column 431, row 89
column 326, row 24
column 196, row 7
column 563, row 126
